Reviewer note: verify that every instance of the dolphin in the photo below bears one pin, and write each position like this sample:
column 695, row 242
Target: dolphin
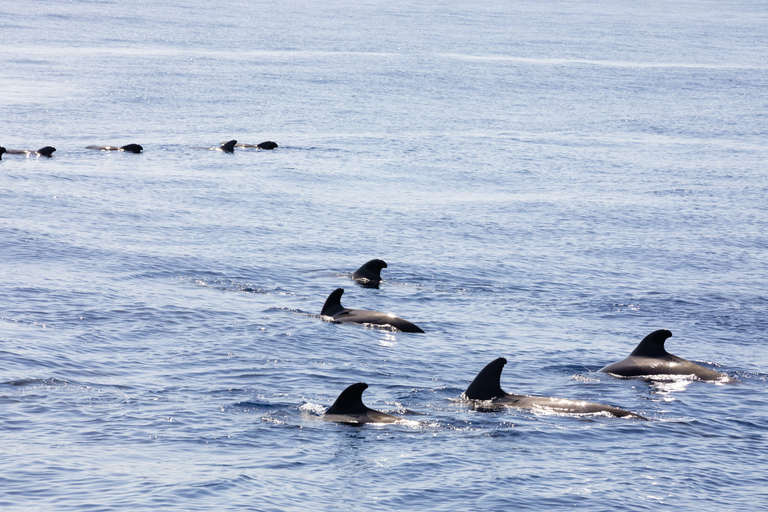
column 130, row 148
column 349, row 408
column 369, row 275
column 487, row 386
column 267, row 144
column 46, row 151
column 650, row 358
column 333, row 308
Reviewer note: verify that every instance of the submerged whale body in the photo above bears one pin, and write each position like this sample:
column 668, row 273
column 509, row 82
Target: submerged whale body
column 651, row 358
column 334, row 309
column 129, row 148
column 369, row 274
column 45, row 151
column 227, row 147
column 267, row 144
column 349, row 408
column 487, row 386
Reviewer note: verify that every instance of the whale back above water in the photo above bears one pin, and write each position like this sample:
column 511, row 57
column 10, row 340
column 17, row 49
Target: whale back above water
column 44, row 151
column 650, row 358
column 2, row 150
column 369, row 274
column 339, row 313
column 129, row 148
column 349, row 408
column 267, row 144
column 486, row 386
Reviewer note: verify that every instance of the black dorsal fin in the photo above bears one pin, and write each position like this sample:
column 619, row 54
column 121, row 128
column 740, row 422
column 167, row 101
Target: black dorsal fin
column 487, row 384
column 653, row 344
column 46, row 151
column 350, row 401
column 267, row 144
column 370, row 270
column 332, row 304
column 2, row 150
column 132, row 148
column 228, row 146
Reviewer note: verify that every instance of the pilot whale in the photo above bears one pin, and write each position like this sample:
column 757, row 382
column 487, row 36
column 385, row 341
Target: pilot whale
column 227, row 147
column 333, row 308
column 487, row 386
column 46, row 151
column 2, row 150
column 369, row 275
column 129, row 148
column 349, row 408
column 651, row 358
column 267, row 144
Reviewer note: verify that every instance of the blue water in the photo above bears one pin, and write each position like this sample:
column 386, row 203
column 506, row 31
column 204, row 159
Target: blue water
column 548, row 182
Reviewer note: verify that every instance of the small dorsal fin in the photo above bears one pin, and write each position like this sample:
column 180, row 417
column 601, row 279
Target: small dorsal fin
column 350, row 401
column 267, row 144
column 132, row 148
column 370, row 270
column 653, row 344
column 332, row 304
column 228, row 146
column 487, row 384
column 46, row 151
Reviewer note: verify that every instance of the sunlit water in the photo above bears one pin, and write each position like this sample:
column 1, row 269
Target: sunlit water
column 548, row 182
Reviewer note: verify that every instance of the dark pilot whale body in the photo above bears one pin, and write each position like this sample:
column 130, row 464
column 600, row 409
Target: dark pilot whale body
column 369, row 274
column 129, row 148
column 333, row 308
column 650, row 358
column 46, row 151
column 2, row 150
column 349, row 408
column 267, row 144
column 227, row 147
column 487, row 386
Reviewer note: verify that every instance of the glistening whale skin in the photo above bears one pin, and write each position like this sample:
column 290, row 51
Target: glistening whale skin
column 267, row 144
column 333, row 308
column 369, row 275
column 46, row 151
column 487, row 386
column 349, row 408
column 129, row 148
column 650, row 358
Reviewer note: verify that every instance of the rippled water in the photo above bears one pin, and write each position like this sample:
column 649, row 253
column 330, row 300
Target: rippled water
column 547, row 182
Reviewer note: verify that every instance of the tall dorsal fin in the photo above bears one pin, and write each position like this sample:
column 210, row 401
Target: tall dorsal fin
column 487, row 384
column 229, row 146
column 46, row 151
column 332, row 304
column 350, row 401
column 370, row 270
column 653, row 344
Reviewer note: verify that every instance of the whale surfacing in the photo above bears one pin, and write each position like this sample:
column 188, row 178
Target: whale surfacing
column 349, row 408
column 2, row 150
column 129, row 148
column 369, row 275
column 650, row 359
column 267, row 144
column 339, row 313
column 45, row 151
column 487, row 386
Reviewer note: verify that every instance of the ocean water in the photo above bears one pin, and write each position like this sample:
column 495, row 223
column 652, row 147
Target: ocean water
column 547, row 181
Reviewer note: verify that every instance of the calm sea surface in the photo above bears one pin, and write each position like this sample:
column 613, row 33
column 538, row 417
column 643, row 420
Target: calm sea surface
column 548, row 182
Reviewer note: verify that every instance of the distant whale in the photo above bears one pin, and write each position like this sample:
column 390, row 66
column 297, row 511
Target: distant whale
column 369, row 274
column 227, row 147
column 349, row 408
column 2, row 150
column 487, row 386
column 650, row 358
column 130, row 148
column 267, row 144
column 333, row 308
column 46, row 151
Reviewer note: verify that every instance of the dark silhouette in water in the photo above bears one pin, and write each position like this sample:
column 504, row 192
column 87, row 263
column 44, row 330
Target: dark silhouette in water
column 349, row 408
column 333, row 308
column 650, row 358
column 2, row 150
column 227, row 147
column 369, row 275
column 487, row 386
column 46, row 151
column 267, row 144
column 130, row 148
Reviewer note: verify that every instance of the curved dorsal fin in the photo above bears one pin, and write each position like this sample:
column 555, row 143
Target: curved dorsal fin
column 267, row 144
column 2, row 150
column 46, row 151
column 132, row 148
column 229, row 146
column 332, row 304
column 370, row 270
column 653, row 344
column 487, row 384
column 350, row 401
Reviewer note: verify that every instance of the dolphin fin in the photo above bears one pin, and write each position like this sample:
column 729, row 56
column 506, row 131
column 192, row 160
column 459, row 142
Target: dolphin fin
column 228, row 146
column 46, row 151
column 487, row 384
column 653, row 344
column 350, row 401
column 332, row 304
column 370, row 270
